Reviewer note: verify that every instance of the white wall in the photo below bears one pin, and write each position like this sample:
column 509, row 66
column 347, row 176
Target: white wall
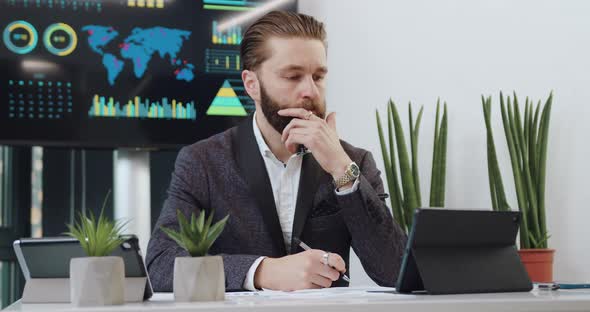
column 419, row 50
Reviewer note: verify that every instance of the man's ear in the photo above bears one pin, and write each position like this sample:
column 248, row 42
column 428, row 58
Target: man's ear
column 251, row 84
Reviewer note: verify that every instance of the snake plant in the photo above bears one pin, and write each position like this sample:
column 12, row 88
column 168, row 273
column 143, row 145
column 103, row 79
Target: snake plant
column 405, row 198
column 527, row 138
column 98, row 238
column 197, row 236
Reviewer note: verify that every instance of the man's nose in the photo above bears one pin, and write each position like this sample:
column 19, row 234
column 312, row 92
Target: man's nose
column 309, row 89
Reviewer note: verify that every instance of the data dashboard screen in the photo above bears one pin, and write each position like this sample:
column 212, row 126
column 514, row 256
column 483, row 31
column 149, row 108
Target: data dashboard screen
column 123, row 73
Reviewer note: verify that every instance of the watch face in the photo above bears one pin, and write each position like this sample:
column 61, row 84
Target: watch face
column 354, row 169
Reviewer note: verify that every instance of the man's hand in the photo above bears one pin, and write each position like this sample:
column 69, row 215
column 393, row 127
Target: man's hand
column 319, row 136
column 303, row 270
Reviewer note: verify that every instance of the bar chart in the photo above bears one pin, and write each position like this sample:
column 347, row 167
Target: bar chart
column 148, row 4
column 142, row 108
column 230, row 36
column 222, row 61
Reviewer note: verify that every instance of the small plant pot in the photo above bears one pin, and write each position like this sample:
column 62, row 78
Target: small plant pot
column 538, row 263
column 97, row 281
column 199, row 279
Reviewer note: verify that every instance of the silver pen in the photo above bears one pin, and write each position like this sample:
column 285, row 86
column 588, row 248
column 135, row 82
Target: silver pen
column 305, row 247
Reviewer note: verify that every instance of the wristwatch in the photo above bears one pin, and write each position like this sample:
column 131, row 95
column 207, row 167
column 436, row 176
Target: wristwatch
column 352, row 173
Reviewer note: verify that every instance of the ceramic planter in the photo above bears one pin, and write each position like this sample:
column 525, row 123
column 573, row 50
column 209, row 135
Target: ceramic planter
column 97, row 281
column 538, row 263
column 199, row 279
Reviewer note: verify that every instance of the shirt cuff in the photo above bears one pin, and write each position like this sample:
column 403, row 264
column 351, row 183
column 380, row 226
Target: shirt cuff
column 355, row 186
column 249, row 281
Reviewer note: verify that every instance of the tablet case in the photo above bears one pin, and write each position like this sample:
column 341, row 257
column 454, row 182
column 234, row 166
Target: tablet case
column 463, row 251
column 56, row 289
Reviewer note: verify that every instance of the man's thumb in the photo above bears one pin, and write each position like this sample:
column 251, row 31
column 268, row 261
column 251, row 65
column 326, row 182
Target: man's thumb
column 331, row 120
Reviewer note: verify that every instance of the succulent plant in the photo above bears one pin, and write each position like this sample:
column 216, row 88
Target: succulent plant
column 98, row 238
column 197, row 236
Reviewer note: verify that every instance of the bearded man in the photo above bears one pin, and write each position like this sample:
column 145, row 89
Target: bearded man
column 283, row 176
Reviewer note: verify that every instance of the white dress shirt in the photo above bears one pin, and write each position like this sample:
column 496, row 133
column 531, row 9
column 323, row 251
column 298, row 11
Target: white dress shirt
column 284, row 180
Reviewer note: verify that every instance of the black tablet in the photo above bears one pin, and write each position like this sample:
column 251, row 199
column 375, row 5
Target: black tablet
column 49, row 257
column 462, row 251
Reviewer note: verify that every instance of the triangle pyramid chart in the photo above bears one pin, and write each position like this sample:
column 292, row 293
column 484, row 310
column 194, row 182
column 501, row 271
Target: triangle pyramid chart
column 226, row 103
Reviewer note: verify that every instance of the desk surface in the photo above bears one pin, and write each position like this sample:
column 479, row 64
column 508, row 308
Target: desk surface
column 351, row 299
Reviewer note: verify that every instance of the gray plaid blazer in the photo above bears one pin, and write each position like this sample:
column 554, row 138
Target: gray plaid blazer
column 226, row 174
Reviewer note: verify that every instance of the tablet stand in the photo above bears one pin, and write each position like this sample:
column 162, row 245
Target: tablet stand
column 471, row 270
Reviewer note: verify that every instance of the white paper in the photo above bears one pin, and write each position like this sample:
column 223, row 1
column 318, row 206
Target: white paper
column 325, row 293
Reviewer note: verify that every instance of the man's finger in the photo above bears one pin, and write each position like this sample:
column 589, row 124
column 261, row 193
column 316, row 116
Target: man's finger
column 311, row 285
column 294, row 123
column 321, row 281
column 331, row 120
column 336, row 262
column 328, row 272
column 295, row 112
column 304, row 131
column 294, row 140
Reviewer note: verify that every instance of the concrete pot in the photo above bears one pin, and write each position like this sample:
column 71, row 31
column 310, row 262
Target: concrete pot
column 97, row 281
column 199, row 279
column 538, row 263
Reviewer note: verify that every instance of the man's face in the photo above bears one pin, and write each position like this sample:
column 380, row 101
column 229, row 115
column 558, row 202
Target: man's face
column 292, row 77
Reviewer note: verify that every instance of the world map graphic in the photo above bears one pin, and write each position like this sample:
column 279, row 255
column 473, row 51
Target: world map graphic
column 139, row 49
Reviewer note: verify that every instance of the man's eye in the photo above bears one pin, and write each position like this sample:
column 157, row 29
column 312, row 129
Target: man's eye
column 296, row 77
column 318, row 78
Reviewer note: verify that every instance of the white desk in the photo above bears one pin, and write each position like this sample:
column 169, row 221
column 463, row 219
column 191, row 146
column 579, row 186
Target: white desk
column 352, row 300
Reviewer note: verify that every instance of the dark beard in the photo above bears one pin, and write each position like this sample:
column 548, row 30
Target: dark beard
column 270, row 109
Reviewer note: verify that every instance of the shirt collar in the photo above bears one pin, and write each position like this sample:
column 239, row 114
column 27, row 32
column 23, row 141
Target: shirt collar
column 264, row 149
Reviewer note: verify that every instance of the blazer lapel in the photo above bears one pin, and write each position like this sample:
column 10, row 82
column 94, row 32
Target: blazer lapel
column 311, row 173
column 252, row 167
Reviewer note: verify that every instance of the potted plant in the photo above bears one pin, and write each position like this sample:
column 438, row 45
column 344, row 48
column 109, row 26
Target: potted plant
column 98, row 279
column 527, row 139
column 405, row 199
column 198, row 277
